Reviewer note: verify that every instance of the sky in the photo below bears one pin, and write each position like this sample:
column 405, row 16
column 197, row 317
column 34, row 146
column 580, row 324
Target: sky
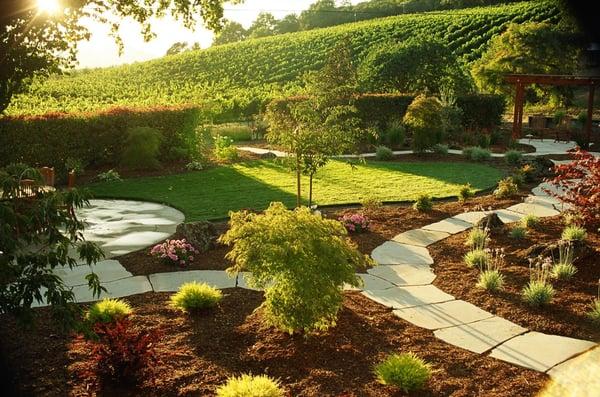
column 101, row 51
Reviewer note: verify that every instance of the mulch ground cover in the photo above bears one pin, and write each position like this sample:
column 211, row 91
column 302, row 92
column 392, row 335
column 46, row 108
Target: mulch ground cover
column 199, row 352
column 565, row 315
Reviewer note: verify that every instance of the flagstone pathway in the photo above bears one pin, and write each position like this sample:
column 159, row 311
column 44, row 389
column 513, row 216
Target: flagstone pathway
column 402, row 280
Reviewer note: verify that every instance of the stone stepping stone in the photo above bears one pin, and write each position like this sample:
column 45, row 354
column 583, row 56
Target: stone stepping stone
column 540, row 351
column 548, row 201
column 170, row 282
column 420, row 237
column 471, row 217
column 449, row 225
column 242, row 283
column 371, row 282
column 442, row 315
column 403, row 275
column 480, row 336
column 533, row 209
column 404, row 297
column 507, row 216
column 133, row 241
column 393, row 253
column 577, row 376
column 116, row 289
column 107, row 270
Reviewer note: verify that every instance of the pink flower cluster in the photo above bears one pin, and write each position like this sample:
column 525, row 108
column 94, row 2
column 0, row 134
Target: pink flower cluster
column 179, row 252
column 355, row 223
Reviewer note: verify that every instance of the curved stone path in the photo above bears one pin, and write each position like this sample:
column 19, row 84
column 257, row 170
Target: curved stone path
column 402, row 281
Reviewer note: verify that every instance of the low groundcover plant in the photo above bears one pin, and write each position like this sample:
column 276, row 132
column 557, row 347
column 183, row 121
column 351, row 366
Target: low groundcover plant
column 355, row 223
column 178, row 252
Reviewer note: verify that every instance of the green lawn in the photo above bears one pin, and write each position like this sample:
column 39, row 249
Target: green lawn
column 212, row 193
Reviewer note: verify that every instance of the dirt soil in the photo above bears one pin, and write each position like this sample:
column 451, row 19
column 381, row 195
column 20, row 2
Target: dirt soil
column 199, row 352
column 566, row 314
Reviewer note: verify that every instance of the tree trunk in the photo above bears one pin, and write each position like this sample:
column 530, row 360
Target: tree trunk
column 298, row 187
column 310, row 183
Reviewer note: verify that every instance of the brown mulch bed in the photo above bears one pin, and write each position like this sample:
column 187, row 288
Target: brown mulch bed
column 199, row 352
column 566, row 315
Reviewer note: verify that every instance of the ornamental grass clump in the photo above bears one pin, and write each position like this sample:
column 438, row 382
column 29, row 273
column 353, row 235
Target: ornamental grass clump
column 530, row 221
column 355, row 223
column 480, row 154
column 108, row 311
column 513, row 157
column 194, row 296
column 539, row 292
column 384, row 153
column 478, row 238
column 477, row 258
column 518, row 232
column 406, row 371
column 491, row 277
column 176, row 252
column 594, row 313
column 574, row 233
column 250, row 386
column 563, row 269
column 301, row 260
column 465, row 193
column 423, row 203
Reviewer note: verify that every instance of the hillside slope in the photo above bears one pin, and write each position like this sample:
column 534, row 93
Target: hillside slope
column 237, row 74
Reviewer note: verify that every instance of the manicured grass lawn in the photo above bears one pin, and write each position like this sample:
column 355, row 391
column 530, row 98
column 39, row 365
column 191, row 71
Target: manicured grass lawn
column 212, row 193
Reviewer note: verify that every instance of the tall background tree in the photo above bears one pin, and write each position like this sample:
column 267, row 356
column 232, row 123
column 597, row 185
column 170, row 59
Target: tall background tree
column 231, row 32
column 36, row 41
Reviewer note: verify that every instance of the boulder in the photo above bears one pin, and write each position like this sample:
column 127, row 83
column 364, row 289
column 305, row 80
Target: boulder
column 580, row 250
column 268, row 156
column 491, row 221
column 202, row 235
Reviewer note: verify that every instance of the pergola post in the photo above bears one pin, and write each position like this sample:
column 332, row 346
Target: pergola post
column 518, row 113
column 590, row 114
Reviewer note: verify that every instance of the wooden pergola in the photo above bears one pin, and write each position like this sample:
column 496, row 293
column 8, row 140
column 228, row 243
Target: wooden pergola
column 521, row 81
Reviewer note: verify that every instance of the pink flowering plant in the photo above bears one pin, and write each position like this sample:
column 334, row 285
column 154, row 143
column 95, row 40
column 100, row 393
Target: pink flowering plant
column 355, row 223
column 177, row 252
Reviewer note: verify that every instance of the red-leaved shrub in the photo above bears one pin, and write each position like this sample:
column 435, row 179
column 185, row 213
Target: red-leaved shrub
column 123, row 354
column 580, row 182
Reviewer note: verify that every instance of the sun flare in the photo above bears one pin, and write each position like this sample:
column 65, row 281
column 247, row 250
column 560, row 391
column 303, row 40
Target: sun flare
column 48, row 6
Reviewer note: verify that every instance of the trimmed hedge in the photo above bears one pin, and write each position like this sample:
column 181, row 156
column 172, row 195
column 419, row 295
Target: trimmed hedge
column 481, row 111
column 94, row 138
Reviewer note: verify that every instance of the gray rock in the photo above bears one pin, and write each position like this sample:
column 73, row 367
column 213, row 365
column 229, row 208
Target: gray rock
column 202, row 235
column 268, row 155
column 491, row 221
column 580, row 250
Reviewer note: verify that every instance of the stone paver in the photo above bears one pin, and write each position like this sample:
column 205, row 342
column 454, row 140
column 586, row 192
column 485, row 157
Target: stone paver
column 169, row 282
column 393, row 253
column 540, row 351
column 420, row 237
column 115, row 289
column 107, row 270
column 547, row 146
column 449, row 225
column 577, row 376
column 402, row 275
column 402, row 297
column 507, row 216
column 442, row 315
column 533, row 209
column 480, row 336
column 471, row 217
column 371, row 282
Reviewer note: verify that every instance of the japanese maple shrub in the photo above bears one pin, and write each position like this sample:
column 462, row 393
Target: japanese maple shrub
column 580, row 182
column 300, row 259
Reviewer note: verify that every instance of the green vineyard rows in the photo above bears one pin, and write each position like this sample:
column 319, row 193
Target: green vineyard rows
column 254, row 70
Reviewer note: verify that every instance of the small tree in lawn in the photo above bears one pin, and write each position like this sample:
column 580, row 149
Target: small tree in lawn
column 580, row 185
column 322, row 124
column 300, row 259
column 38, row 228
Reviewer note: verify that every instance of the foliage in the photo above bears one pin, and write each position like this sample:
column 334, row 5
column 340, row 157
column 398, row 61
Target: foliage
column 394, row 133
column 491, row 280
column 250, row 386
column 109, row 176
column 465, row 193
column 424, row 119
column 108, row 311
column 405, row 371
column 423, row 203
column 480, row 154
column 355, row 223
column 195, row 296
column 573, row 233
column 195, row 165
column 478, row 238
column 518, row 232
column 231, row 32
column 177, row 252
column 477, row 258
column 440, row 148
column 177, row 48
column 563, row 271
column 481, row 111
column 237, row 132
column 580, row 181
column 124, row 354
column 528, row 172
column 301, row 261
column 594, row 313
column 530, row 221
column 539, row 292
column 224, row 148
column 46, row 220
column 238, row 78
column 413, row 65
column 513, row 157
column 506, row 188
column 384, row 153
column 140, row 148
column 528, row 48
column 264, row 25
column 371, row 205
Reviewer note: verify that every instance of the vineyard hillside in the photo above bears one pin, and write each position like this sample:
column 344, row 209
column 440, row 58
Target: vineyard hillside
column 235, row 75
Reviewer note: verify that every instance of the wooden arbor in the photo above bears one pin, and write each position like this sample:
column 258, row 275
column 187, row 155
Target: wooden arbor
column 523, row 80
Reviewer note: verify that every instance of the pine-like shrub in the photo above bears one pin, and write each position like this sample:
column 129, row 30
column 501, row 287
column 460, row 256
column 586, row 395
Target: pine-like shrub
column 250, row 386
column 423, row 203
column 195, row 296
column 108, row 310
column 405, row 371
